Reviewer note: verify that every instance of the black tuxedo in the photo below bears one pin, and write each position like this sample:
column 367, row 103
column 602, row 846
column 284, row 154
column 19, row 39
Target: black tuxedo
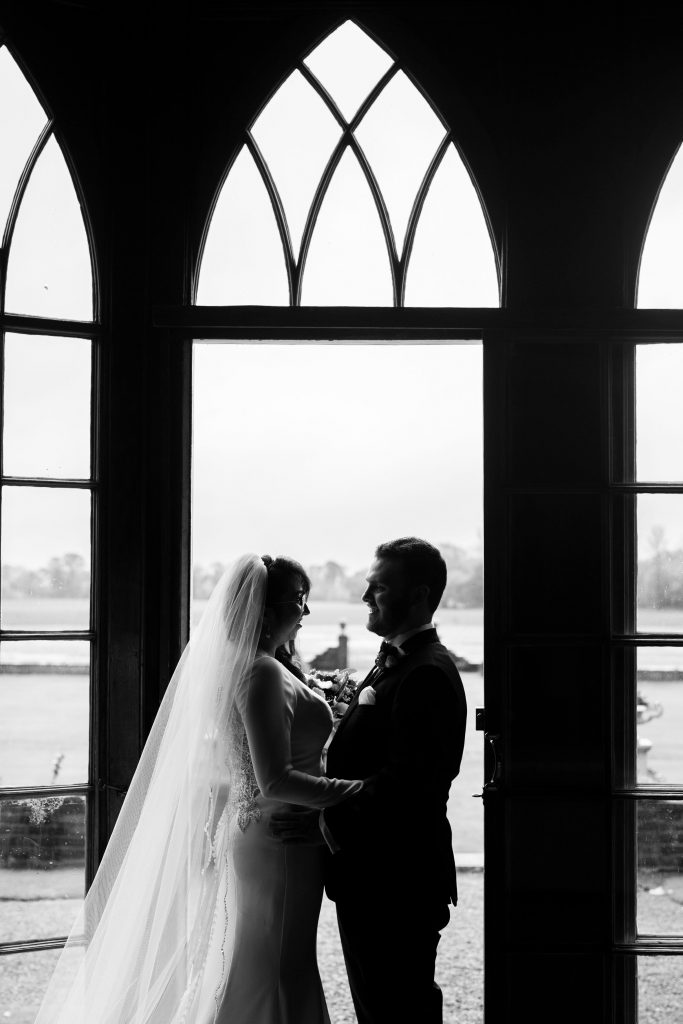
column 394, row 874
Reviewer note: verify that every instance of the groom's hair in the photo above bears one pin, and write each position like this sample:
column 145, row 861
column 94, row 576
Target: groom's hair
column 422, row 564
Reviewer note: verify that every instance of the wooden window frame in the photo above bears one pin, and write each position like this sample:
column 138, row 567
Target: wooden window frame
column 92, row 331
column 626, row 641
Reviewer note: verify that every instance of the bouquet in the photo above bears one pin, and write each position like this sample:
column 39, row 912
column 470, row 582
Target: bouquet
column 338, row 688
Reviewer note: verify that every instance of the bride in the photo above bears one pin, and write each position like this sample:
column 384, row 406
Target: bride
column 198, row 914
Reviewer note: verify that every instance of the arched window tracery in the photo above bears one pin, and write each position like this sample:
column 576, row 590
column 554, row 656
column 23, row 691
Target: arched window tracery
column 349, row 189
column 49, row 269
column 660, row 281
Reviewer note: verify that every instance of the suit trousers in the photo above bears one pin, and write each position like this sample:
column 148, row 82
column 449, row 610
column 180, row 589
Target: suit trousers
column 390, row 952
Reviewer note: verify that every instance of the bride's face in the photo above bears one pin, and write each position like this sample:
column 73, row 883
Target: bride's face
column 289, row 612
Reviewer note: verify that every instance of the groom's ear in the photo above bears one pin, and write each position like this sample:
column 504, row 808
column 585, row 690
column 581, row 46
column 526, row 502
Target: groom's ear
column 420, row 593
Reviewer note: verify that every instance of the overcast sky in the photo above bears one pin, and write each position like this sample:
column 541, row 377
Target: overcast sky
column 322, row 451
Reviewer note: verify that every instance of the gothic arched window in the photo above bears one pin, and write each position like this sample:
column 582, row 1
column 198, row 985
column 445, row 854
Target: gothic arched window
column 660, row 281
column 319, row 430
column 655, row 504
column 348, row 190
column 48, row 489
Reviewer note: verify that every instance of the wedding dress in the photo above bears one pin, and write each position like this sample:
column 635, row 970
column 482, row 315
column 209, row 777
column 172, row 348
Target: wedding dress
column 278, row 888
column 197, row 915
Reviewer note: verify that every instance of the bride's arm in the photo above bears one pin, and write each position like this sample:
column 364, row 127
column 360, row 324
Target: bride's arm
column 267, row 714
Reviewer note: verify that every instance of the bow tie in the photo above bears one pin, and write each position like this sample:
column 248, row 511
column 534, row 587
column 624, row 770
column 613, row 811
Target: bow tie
column 386, row 650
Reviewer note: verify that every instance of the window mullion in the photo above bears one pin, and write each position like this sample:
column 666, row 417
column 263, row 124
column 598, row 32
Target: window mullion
column 41, row 792
column 11, row 635
column 416, row 211
column 82, row 484
column 278, row 210
column 318, row 197
column 32, row 946
column 48, row 327
column 23, row 182
column 383, row 216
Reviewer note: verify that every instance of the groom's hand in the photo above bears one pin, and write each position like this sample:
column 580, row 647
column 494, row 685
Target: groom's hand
column 296, row 825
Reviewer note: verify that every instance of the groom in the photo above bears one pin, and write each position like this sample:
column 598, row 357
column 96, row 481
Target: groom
column 391, row 871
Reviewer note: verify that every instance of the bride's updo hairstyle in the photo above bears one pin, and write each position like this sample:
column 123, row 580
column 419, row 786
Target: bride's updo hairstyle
column 283, row 574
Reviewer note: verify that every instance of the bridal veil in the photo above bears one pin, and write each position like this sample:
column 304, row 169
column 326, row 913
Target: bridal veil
column 152, row 944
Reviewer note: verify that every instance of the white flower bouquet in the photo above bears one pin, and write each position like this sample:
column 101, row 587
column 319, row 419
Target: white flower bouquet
column 337, row 687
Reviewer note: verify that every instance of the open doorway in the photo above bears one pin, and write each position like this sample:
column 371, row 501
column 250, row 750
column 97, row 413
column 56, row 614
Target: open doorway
column 321, row 451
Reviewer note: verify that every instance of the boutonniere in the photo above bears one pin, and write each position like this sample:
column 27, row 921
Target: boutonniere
column 393, row 659
column 367, row 696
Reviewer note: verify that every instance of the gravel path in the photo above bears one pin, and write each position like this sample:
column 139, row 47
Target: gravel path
column 459, row 967
column 660, row 978
column 459, row 962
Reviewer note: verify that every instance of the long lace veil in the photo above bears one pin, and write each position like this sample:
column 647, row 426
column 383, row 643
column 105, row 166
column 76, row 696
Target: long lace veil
column 152, row 943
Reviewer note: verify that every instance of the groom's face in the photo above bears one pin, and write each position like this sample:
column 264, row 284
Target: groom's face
column 387, row 596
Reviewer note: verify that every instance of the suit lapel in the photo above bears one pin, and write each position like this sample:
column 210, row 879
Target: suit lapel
column 411, row 646
column 376, row 677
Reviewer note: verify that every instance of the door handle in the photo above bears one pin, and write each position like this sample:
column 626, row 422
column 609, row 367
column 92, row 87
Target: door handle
column 493, row 763
column 495, row 759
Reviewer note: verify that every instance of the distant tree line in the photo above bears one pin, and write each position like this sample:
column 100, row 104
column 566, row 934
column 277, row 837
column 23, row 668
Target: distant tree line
column 332, row 582
column 65, row 576
column 660, row 577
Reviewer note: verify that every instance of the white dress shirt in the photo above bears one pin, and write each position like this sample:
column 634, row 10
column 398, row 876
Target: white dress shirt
column 400, row 638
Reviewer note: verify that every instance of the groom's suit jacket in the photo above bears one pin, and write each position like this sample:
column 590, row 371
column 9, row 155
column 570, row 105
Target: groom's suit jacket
column 407, row 746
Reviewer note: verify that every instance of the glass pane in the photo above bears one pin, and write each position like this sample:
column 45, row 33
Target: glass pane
column 348, row 63
column 660, row 563
column 296, row 134
column 42, row 866
column 347, row 262
column 660, row 283
column 47, row 406
column 243, row 261
column 49, row 271
column 660, row 716
column 660, row 867
column 45, row 558
column 660, row 989
column 44, row 713
column 659, row 424
column 322, row 455
column 21, row 121
column 452, row 262
column 331, row 490
column 24, row 978
column 400, row 134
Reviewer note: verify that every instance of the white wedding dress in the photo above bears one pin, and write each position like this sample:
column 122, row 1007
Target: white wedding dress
column 273, row 976
column 197, row 914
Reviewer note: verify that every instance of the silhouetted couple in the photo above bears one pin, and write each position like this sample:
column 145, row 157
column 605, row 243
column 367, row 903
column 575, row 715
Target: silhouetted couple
column 205, row 907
